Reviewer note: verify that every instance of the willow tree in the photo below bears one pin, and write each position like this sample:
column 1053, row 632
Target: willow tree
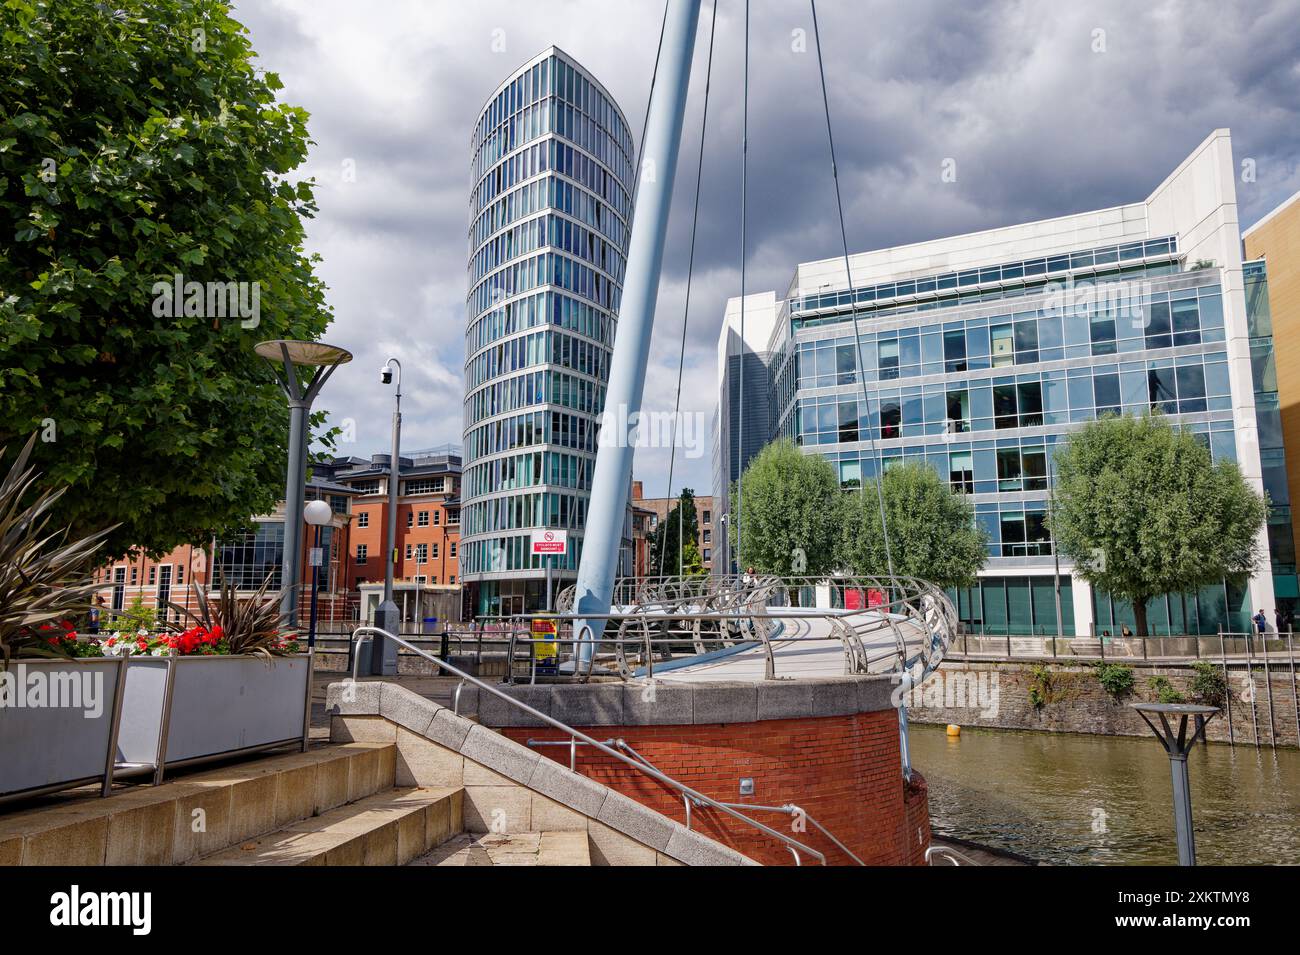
column 788, row 514
column 932, row 531
column 1143, row 510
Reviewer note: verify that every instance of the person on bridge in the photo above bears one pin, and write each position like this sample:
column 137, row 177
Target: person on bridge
column 1261, row 621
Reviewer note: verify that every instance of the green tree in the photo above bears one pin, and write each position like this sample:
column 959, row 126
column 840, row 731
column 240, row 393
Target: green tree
column 664, row 543
column 1143, row 510
column 692, row 562
column 932, row 531
column 139, row 142
column 788, row 514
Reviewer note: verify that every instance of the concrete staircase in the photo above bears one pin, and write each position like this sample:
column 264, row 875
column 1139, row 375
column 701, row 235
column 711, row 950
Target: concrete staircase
column 524, row 848
column 404, row 782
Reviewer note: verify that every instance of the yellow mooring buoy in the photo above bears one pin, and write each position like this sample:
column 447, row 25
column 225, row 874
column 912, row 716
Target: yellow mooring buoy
column 954, row 730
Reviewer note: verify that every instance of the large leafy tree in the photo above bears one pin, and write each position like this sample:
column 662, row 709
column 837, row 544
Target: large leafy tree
column 139, row 142
column 788, row 514
column 1143, row 510
column 681, row 524
column 932, row 529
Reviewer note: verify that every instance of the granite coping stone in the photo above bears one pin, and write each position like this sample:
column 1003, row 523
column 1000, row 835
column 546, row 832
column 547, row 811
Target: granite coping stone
column 526, row 767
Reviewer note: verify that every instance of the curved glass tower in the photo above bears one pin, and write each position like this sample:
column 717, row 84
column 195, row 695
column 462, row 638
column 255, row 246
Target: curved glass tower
column 552, row 164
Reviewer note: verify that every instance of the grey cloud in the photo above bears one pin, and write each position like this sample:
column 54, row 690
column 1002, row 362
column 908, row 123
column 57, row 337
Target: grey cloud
column 1039, row 124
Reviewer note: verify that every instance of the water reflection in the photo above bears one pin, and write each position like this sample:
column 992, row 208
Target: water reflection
column 1096, row 800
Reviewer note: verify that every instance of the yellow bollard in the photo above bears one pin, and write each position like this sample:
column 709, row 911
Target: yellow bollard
column 954, row 730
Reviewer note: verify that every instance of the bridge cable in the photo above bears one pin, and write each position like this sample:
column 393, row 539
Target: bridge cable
column 686, row 310
column 857, row 336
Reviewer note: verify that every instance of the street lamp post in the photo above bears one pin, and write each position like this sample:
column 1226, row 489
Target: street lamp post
column 383, row 657
column 304, row 367
column 317, row 513
column 1177, row 746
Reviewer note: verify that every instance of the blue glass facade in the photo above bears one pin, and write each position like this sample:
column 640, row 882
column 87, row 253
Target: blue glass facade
column 550, row 208
column 981, row 372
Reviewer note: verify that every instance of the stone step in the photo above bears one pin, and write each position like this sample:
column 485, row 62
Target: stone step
column 518, row 848
column 388, row 828
column 195, row 814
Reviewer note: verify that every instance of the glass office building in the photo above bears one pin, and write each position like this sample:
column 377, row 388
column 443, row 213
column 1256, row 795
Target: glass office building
column 978, row 354
column 550, row 210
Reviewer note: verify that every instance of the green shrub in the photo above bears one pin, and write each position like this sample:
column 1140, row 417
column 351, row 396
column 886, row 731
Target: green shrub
column 1164, row 690
column 1209, row 685
column 1116, row 679
column 134, row 618
column 1041, row 687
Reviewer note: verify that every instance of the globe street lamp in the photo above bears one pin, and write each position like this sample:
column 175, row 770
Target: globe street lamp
column 302, row 368
column 317, row 513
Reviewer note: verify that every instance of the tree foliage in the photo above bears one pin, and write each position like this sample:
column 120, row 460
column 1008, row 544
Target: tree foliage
column 139, row 142
column 1142, row 510
column 932, row 531
column 667, row 536
column 789, row 507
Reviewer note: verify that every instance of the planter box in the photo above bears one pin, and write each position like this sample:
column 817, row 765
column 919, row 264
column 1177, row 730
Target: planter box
column 57, row 723
column 179, row 710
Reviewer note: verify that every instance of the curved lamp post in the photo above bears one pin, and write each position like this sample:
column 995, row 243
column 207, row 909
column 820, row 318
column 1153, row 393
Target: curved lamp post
column 383, row 653
column 302, row 368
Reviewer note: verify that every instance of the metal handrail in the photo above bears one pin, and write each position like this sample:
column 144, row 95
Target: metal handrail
column 368, row 634
column 949, row 855
column 792, row 810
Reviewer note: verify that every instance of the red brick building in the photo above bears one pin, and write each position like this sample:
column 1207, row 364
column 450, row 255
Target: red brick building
column 428, row 540
column 660, row 508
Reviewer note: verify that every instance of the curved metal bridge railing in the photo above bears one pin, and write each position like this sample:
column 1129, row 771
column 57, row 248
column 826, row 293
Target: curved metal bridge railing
column 897, row 625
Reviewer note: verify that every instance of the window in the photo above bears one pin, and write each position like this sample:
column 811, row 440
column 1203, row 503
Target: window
column 424, row 519
column 363, row 519
column 421, row 553
column 958, row 411
column 437, row 518
column 848, row 420
column 1003, row 346
column 153, row 576
column 708, row 554
column 180, row 574
column 890, row 418
column 426, row 486
column 135, row 576
column 119, row 588
column 954, row 350
column 366, row 487
column 707, row 536
column 961, row 472
column 707, row 518
column 888, row 360
column 434, row 552
column 1105, row 390
column 451, row 550
column 1030, row 397
column 1004, row 406
column 361, row 553
column 1009, row 469
column 1161, row 389
column 410, row 518
column 408, row 551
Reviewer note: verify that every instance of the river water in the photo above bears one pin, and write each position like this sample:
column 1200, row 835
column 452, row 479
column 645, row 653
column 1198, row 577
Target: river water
column 1103, row 800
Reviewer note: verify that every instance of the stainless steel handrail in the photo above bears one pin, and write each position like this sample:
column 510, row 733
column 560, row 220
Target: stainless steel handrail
column 949, row 855
column 792, row 810
column 368, row 633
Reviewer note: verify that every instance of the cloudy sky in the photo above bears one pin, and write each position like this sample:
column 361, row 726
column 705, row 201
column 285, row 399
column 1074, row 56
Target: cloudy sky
column 1046, row 109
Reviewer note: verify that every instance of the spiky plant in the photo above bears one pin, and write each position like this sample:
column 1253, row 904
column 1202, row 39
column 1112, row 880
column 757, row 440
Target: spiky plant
column 248, row 624
column 44, row 576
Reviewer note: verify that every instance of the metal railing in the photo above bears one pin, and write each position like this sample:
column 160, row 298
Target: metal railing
column 364, row 634
column 949, row 855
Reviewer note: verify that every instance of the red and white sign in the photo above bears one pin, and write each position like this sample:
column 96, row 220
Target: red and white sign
column 550, row 542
